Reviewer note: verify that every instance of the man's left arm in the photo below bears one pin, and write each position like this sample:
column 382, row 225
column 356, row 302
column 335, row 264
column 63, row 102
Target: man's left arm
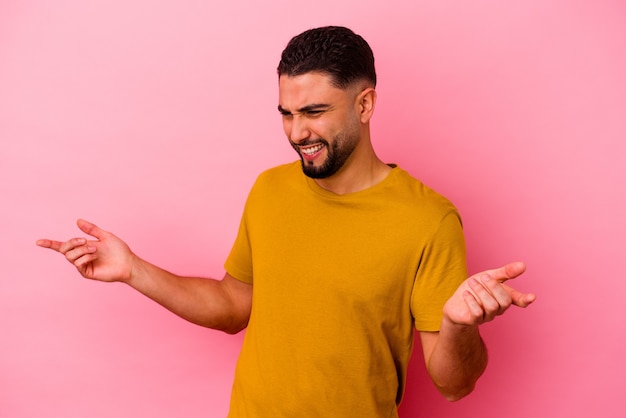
column 456, row 355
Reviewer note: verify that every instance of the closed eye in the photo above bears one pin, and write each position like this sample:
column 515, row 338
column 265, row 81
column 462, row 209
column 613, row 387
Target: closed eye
column 311, row 111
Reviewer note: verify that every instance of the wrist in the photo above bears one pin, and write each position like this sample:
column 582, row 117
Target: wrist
column 136, row 267
column 449, row 326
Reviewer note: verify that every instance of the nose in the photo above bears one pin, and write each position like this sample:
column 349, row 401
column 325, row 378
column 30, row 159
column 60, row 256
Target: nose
column 296, row 128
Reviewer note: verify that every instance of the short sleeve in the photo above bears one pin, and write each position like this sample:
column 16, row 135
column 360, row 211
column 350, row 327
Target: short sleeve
column 239, row 261
column 441, row 271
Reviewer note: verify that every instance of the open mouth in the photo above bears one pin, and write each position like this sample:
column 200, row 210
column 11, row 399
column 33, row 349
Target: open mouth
column 312, row 150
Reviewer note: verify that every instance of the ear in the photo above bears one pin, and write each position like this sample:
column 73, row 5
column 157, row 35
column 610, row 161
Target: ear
column 366, row 101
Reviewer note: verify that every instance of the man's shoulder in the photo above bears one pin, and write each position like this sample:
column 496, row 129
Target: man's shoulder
column 281, row 171
column 278, row 178
column 415, row 192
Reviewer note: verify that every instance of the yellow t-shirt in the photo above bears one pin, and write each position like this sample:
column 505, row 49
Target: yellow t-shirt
column 339, row 283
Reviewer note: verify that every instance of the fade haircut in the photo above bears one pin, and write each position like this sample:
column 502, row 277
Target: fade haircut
column 332, row 50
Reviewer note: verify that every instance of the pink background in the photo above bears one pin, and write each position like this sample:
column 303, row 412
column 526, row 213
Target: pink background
column 153, row 118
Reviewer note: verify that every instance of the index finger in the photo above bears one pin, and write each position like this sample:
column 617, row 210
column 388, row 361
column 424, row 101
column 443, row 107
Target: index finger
column 508, row 271
column 48, row 243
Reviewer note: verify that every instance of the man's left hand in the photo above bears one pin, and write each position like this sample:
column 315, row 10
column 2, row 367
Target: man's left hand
column 484, row 296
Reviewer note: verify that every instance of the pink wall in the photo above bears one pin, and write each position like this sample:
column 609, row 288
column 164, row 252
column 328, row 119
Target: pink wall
column 153, row 118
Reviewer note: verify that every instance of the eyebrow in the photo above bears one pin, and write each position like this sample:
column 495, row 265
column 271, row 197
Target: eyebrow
column 305, row 109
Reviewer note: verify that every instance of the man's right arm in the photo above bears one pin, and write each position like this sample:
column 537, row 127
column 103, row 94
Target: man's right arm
column 219, row 304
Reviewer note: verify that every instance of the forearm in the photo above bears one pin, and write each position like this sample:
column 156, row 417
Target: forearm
column 457, row 360
column 202, row 301
column 220, row 304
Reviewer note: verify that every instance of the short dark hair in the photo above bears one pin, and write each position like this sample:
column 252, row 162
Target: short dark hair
column 333, row 50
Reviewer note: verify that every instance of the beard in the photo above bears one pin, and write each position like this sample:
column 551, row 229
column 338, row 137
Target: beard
column 336, row 155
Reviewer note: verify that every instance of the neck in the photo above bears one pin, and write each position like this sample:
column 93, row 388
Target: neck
column 362, row 170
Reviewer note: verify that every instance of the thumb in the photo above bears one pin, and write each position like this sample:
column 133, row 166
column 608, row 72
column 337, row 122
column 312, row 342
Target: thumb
column 90, row 229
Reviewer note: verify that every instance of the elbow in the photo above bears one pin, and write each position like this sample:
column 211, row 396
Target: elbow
column 229, row 325
column 234, row 330
column 233, row 326
column 454, row 390
column 456, row 394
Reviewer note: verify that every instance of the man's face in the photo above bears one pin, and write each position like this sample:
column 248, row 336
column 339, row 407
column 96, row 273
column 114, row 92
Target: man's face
column 320, row 121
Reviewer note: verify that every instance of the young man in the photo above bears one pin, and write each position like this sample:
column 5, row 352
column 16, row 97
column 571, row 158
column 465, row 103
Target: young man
column 338, row 259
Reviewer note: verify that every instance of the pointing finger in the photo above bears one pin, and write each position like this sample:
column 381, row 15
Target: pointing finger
column 47, row 243
column 513, row 270
column 59, row 246
column 507, row 272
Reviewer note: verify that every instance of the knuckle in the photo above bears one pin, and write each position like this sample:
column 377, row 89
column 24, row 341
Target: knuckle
column 84, row 259
column 508, row 300
column 491, row 306
column 69, row 256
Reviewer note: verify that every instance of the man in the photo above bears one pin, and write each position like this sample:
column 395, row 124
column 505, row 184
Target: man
column 339, row 257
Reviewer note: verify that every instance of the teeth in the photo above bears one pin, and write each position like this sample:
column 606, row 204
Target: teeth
column 311, row 150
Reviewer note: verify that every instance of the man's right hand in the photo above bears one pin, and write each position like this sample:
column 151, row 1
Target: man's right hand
column 219, row 304
column 107, row 258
